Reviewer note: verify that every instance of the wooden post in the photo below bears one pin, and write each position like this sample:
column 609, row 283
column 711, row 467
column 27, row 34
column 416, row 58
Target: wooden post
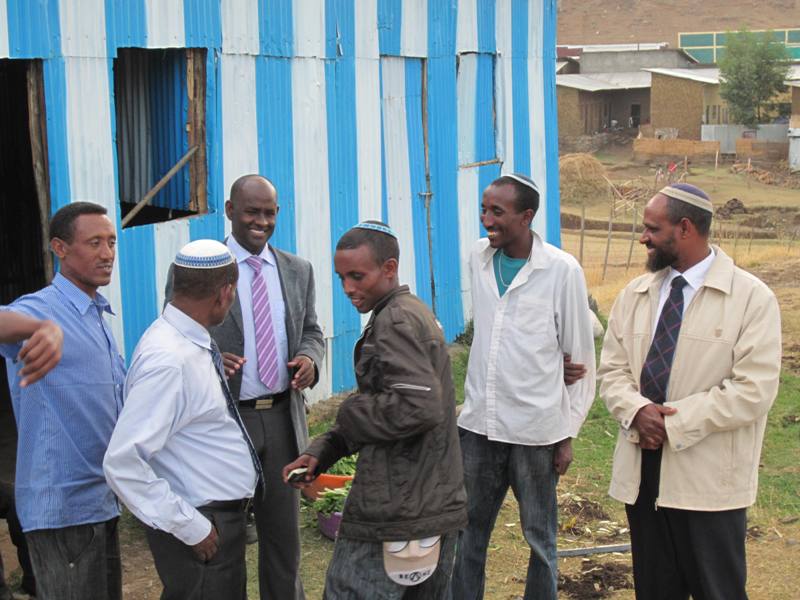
column 735, row 240
column 583, row 230
column 750, row 244
column 716, row 166
column 749, row 169
column 608, row 238
column 41, row 176
column 633, row 237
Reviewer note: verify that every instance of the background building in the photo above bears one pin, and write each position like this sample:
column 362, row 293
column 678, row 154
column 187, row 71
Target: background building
column 354, row 108
column 630, row 21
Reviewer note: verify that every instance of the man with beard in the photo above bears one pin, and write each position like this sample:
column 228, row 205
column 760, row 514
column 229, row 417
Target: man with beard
column 689, row 368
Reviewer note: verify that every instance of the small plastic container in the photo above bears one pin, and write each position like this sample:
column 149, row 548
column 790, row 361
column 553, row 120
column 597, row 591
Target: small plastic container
column 329, row 524
column 323, row 482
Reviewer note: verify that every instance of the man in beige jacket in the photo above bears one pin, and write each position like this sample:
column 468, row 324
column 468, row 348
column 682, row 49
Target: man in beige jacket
column 689, row 368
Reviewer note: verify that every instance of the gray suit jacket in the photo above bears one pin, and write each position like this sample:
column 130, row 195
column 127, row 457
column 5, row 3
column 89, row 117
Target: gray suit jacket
column 303, row 333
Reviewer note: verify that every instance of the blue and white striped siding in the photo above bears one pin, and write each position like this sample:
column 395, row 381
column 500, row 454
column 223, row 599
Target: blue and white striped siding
column 325, row 98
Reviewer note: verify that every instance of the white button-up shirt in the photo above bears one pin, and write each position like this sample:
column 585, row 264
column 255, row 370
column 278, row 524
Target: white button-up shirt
column 176, row 445
column 252, row 387
column 515, row 389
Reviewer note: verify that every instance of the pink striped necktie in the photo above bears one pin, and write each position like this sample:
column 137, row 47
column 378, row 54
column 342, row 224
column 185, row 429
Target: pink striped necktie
column 266, row 349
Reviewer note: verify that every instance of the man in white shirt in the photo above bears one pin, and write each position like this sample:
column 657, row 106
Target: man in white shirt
column 179, row 457
column 530, row 308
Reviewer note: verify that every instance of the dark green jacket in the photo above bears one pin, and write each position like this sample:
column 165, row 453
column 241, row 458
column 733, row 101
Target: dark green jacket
column 409, row 481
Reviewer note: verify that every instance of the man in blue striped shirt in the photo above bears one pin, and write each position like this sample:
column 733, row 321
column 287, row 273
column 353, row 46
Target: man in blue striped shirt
column 65, row 420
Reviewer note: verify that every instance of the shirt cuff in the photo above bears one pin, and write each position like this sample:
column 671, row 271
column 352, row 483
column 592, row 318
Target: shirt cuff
column 195, row 531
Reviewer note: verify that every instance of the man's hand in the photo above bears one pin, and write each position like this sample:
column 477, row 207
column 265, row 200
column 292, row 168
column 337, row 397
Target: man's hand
column 41, row 352
column 232, row 363
column 649, row 422
column 573, row 372
column 206, row 549
column 304, row 376
column 304, row 460
column 562, row 457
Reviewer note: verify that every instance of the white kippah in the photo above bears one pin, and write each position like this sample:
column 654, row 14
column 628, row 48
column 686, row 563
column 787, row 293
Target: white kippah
column 524, row 180
column 204, row 254
column 672, row 191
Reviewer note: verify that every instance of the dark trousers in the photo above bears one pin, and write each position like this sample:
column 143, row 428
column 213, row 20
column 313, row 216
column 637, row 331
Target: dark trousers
column 277, row 510
column 681, row 552
column 9, row 513
column 186, row 577
column 80, row 562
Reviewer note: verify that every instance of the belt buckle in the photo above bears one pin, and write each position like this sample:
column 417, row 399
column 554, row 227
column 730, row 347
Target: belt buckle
column 263, row 403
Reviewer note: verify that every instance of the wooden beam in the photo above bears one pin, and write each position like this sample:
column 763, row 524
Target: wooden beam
column 41, row 174
column 157, row 187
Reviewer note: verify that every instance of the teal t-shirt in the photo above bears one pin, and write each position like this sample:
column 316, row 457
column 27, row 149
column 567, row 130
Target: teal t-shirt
column 505, row 269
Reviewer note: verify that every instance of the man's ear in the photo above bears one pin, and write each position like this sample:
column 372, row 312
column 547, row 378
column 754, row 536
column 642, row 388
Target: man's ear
column 528, row 216
column 228, row 292
column 59, row 247
column 229, row 209
column 686, row 227
column 389, row 268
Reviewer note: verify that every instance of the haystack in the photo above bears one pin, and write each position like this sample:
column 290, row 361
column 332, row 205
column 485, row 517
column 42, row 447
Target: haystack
column 582, row 178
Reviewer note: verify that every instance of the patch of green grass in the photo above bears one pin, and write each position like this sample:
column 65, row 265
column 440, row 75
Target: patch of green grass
column 779, row 473
column 590, row 473
column 458, row 362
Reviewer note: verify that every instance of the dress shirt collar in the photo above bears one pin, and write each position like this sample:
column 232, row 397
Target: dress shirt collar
column 78, row 298
column 242, row 254
column 696, row 274
column 187, row 326
column 536, row 260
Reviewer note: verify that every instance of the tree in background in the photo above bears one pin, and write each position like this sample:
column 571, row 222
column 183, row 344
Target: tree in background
column 752, row 71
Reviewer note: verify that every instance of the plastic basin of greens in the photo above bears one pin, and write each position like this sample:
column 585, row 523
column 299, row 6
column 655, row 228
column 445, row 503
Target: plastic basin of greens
column 329, row 524
column 323, row 482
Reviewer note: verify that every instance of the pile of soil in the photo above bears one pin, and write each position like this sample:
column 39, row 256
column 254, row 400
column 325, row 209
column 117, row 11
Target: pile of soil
column 734, row 206
column 596, row 580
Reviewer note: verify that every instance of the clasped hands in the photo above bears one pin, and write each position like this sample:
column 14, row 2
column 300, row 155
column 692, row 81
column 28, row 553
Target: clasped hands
column 649, row 422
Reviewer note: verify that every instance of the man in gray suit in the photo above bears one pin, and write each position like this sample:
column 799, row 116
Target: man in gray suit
column 272, row 346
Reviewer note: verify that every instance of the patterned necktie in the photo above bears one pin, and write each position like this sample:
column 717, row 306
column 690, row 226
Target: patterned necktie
column 234, row 411
column 658, row 364
column 266, row 349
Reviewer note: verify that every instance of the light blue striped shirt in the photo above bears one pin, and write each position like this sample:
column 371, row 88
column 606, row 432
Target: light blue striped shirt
column 252, row 387
column 65, row 420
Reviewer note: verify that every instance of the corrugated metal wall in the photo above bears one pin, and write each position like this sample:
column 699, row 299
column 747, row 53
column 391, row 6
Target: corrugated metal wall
column 325, row 97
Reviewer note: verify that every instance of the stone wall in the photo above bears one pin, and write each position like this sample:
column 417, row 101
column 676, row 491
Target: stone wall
column 569, row 112
column 677, row 103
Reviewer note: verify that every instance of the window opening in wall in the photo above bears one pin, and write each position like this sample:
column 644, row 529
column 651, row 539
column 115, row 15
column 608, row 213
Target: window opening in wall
column 475, row 72
column 161, row 145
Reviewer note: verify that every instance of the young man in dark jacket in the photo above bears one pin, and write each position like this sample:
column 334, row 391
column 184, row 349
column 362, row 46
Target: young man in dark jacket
column 408, row 493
